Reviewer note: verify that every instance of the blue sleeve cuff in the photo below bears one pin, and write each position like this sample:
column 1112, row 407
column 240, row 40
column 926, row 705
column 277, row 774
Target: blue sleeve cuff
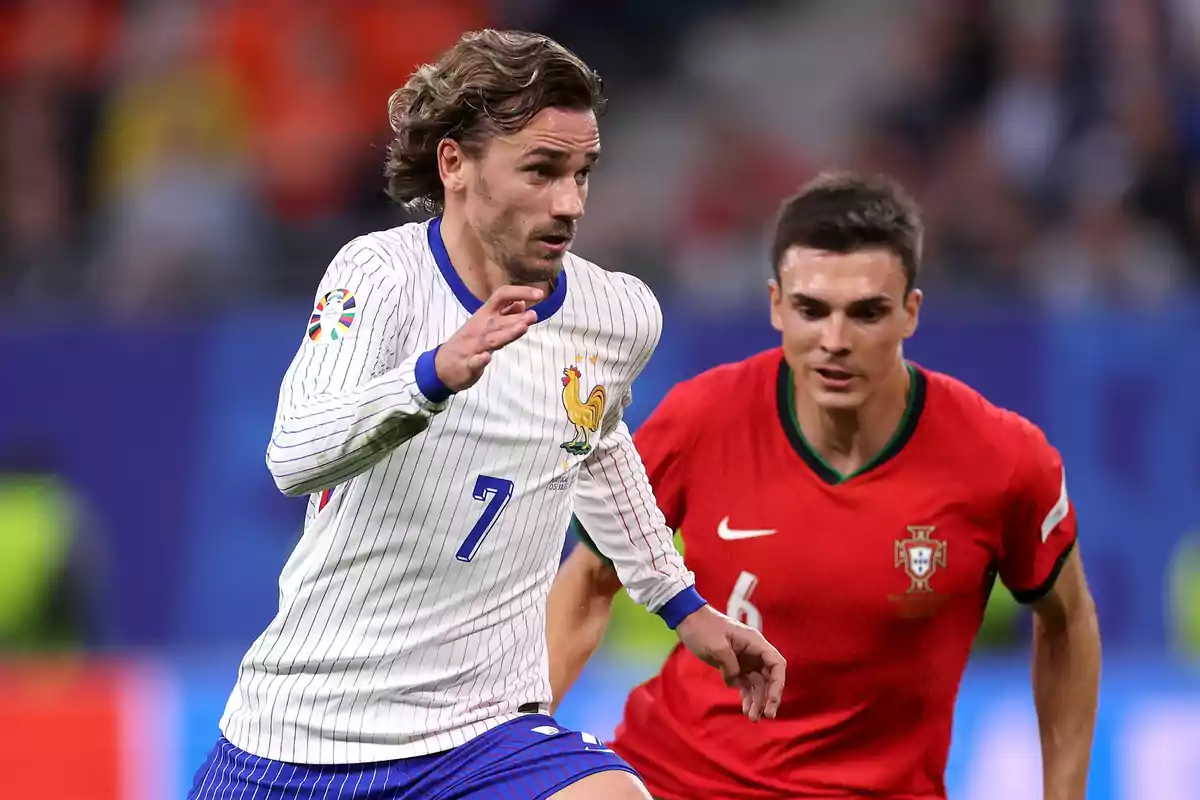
column 427, row 378
column 679, row 606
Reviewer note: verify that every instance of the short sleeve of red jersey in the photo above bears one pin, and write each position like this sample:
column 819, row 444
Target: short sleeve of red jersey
column 1039, row 528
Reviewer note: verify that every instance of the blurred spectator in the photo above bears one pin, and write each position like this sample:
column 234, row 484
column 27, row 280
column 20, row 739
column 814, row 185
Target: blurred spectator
column 68, row 40
column 37, row 232
column 300, row 80
column 316, row 79
column 175, row 219
column 1162, row 175
column 1101, row 254
column 154, row 155
column 949, row 63
column 1025, row 116
column 979, row 228
column 1025, row 190
column 738, row 179
column 627, row 41
column 52, row 67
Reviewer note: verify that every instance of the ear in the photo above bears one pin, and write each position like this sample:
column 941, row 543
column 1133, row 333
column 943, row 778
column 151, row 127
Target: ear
column 776, row 295
column 912, row 309
column 452, row 165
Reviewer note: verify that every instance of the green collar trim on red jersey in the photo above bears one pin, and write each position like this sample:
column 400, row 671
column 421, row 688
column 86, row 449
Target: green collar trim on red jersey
column 786, row 397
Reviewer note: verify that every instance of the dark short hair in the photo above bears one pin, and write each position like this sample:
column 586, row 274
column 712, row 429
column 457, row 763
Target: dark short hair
column 490, row 82
column 844, row 212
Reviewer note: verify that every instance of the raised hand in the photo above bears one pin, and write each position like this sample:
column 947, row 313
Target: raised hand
column 503, row 319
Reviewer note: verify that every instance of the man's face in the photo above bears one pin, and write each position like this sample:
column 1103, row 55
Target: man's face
column 525, row 192
column 843, row 317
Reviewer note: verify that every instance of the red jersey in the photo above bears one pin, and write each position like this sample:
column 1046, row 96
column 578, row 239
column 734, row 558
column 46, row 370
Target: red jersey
column 872, row 585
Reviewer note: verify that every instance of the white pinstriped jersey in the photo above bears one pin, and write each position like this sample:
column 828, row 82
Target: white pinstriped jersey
column 412, row 611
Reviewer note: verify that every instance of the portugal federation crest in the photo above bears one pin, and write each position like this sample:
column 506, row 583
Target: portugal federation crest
column 920, row 556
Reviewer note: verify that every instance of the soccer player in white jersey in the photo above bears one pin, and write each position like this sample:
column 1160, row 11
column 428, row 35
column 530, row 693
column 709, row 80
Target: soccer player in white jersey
column 457, row 393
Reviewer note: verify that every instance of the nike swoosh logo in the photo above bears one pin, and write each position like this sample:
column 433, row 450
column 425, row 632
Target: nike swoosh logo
column 732, row 534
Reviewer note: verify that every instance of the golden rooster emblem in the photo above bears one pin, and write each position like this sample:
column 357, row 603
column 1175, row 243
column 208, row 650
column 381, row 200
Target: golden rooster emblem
column 584, row 415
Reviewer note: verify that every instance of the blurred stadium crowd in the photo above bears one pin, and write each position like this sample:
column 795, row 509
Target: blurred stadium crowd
column 176, row 174
column 180, row 155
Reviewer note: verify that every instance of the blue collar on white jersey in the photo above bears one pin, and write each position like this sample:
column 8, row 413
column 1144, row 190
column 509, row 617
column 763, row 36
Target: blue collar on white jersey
column 470, row 302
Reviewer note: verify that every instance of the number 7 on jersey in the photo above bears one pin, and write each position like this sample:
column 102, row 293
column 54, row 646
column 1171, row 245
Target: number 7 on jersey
column 499, row 490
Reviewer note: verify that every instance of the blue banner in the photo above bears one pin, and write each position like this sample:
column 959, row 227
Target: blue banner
column 162, row 432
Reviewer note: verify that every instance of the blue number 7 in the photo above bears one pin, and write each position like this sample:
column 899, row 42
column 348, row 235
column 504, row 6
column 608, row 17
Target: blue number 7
column 501, row 490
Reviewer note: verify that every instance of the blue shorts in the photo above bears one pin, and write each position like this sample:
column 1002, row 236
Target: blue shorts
column 526, row 758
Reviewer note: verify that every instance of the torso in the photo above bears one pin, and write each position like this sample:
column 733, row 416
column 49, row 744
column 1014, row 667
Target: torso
column 873, row 589
column 398, row 633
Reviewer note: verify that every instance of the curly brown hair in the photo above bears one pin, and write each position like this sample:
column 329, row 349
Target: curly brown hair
column 843, row 212
column 489, row 82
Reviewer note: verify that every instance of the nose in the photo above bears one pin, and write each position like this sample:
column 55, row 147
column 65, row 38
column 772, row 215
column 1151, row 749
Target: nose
column 835, row 335
column 568, row 200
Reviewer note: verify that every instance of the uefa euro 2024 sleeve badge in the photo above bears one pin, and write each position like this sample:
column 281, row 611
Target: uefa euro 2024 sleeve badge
column 332, row 316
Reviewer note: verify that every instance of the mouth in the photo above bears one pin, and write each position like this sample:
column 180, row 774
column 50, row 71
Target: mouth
column 835, row 378
column 555, row 242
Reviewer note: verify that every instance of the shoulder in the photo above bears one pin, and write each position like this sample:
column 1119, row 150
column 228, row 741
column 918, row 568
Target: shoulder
column 621, row 295
column 982, row 430
column 394, row 256
column 592, row 276
column 725, row 392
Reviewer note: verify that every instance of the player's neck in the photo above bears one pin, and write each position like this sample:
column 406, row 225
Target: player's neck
column 848, row 439
column 479, row 274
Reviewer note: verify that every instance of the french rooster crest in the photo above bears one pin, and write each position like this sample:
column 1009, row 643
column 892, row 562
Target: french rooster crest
column 585, row 415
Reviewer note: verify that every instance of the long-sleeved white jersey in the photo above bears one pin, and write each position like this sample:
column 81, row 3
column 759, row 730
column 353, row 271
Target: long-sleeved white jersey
column 412, row 612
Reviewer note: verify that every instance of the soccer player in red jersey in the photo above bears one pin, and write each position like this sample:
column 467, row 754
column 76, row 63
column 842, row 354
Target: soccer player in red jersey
column 857, row 509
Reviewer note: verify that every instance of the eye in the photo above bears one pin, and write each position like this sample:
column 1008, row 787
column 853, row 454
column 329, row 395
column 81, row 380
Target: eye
column 812, row 312
column 581, row 177
column 540, row 171
column 871, row 314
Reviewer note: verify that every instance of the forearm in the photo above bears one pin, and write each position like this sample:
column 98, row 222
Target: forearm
column 580, row 606
column 1066, row 680
column 319, row 442
column 615, row 506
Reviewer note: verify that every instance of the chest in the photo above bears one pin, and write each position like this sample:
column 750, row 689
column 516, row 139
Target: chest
column 908, row 540
column 541, row 405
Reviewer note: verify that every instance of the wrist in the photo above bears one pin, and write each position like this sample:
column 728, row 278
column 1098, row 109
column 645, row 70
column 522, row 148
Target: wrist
column 685, row 603
column 429, row 382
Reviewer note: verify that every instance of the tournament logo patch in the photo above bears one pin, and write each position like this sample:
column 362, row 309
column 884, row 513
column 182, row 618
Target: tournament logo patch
column 332, row 316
